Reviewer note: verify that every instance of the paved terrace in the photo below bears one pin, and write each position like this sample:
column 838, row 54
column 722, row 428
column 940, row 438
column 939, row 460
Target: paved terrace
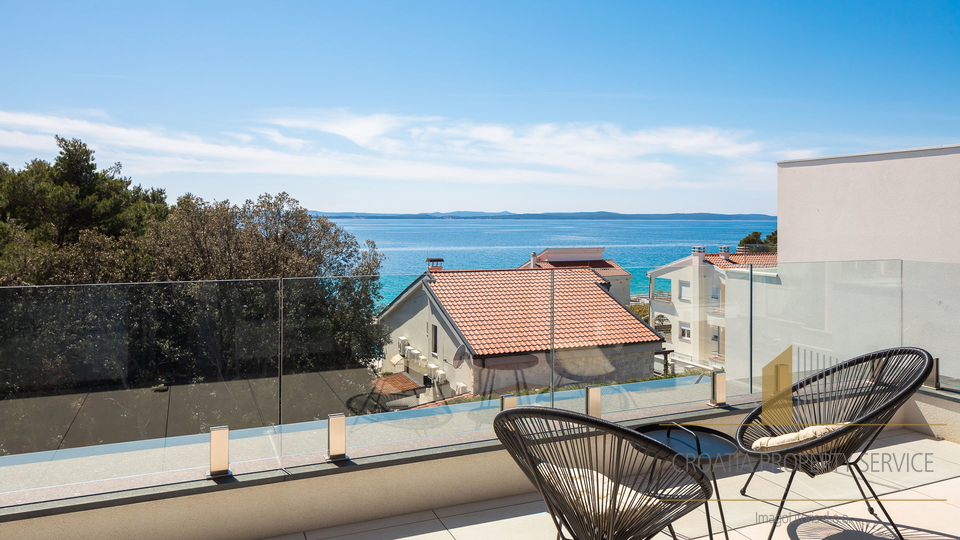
column 925, row 503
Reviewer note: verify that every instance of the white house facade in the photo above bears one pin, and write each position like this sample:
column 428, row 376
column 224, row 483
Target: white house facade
column 692, row 313
column 486, row 331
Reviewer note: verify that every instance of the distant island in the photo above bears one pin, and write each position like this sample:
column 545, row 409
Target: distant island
column 550, row 215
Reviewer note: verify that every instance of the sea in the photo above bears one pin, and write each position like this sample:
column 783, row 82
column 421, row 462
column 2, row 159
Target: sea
column 637, row 245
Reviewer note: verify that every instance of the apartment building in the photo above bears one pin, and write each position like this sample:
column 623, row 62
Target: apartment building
column 689, row 300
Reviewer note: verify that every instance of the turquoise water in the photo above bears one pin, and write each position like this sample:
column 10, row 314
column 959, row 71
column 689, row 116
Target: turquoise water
column 638, row 246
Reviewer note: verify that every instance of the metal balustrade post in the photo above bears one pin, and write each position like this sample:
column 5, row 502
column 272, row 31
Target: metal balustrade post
column 718, row 396
column 593, row 401
column 933, row 381
column 219, row 452
column 336, row 438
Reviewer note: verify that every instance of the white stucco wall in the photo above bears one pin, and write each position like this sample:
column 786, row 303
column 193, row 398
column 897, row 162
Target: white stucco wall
column 620, row 288
column 702, row 277
column 409, row 319
column 892, row 205
column 826, row 311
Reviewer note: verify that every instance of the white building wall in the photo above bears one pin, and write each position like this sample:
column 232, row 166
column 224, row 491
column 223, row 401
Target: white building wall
column 620, row 288
column 898, row 208
column 410, row 319
column 826, row 311
column 891, row 205
column 692, row 311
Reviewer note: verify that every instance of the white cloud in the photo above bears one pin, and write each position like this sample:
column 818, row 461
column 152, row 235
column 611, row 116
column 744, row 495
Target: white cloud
column 242, row 137
column 426, row 148
column 26, row 141
column 274, row 136
column 367, row 131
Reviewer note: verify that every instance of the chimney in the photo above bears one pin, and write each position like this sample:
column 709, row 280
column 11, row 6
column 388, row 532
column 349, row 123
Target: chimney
column 533, row 259
column 698, row 253
column 434, row 264
column 724, row 252
column 742, row 249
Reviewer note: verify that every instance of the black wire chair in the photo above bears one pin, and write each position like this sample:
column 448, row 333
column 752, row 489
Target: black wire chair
column 854, row 399
column 600, row 480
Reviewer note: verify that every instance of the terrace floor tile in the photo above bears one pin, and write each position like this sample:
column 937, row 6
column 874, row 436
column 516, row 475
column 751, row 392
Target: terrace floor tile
column 525, row 521
column 431, row 529
column 371, row 526
column 826, row 507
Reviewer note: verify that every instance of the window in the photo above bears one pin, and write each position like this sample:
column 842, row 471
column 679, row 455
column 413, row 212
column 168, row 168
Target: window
column 684, row 290
column 685, row 331
column 715, row 293
column 433, row 339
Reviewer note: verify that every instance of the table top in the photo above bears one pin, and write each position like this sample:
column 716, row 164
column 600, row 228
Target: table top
column 714, row 445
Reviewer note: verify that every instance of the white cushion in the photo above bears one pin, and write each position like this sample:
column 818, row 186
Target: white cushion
column 780, row 442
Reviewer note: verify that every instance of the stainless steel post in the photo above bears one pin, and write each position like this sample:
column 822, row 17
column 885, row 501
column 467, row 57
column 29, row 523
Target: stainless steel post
column 219, row 452
column 593, row 401
column 933, row 380
column 336, row 437
column 719, row 394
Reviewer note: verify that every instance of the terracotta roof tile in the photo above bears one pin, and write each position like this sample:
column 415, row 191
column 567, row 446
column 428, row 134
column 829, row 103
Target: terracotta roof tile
column 740, row 260
column 396, row 383
column 508, row 311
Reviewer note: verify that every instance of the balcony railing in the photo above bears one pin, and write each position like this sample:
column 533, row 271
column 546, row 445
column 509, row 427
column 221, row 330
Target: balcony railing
column 111, row 370
column 719, row 311
column 662, row 296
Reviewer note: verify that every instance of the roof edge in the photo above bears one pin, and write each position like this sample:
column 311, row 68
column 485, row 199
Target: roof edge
column 868, row 154
column 402, row 296
column 449, row 319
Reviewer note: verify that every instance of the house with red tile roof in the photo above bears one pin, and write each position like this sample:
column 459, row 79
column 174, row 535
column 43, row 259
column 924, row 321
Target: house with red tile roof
column 483, row 331
column 688, row 302
column 589, row 258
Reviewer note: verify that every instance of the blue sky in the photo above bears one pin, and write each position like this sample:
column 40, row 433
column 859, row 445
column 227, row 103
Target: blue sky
column 441, row 106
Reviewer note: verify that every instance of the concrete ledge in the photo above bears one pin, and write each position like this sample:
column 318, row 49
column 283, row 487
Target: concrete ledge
column 935, row 413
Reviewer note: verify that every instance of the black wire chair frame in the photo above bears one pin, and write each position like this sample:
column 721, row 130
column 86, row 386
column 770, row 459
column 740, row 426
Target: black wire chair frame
column 860, row 395
column 600, row 480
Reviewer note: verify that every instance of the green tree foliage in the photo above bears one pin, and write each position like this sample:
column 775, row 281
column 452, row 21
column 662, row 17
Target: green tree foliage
column 641, row 310
column 751, row 239
column 756, row 242
column 202, row 298
column 328, row 314
column 69, row 222
column 273, row 237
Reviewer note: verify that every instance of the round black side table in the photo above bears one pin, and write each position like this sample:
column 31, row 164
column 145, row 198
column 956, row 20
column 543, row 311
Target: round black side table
column 702, row 446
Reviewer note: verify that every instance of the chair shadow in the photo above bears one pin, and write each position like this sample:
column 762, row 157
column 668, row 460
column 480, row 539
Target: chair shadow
column 850, row 528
